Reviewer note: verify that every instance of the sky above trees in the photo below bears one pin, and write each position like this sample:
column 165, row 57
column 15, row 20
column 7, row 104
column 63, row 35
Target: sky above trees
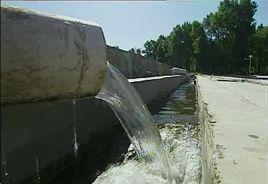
column 130, row 24
column 225, row 42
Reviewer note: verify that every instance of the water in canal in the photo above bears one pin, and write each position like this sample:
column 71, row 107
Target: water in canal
column 173, row 157
column 137, row 121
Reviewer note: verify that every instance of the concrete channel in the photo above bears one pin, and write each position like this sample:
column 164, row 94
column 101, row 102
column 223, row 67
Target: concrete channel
column 51, row 124
column 46, row 130
column 51, row 68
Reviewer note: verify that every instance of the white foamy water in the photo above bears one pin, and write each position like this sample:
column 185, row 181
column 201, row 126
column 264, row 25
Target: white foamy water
column 166, row 157
column 137, row 121
column 181, row 143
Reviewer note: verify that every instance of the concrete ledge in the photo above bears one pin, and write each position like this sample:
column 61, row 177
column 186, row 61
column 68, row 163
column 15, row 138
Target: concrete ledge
column 152, row 88
column 209, row 168
column 233, row 123
column 45, row 56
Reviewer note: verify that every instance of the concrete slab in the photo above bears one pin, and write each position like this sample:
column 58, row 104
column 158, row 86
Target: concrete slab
column 238, row 126
column 46, row 56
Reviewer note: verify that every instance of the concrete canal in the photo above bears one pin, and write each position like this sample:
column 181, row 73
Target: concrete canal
column 178, row 126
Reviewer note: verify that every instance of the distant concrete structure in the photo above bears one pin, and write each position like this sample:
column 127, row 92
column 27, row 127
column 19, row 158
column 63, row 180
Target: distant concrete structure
column 134, row 65
column 178, row 71
column 45, row 56
column 152, row 88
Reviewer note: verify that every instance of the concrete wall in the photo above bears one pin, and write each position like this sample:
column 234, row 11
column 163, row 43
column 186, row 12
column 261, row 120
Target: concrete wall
column 47, row 131
column 46, row 61
column 152, row 88
column 46, row 56
column 133, row 65
column 209, row 171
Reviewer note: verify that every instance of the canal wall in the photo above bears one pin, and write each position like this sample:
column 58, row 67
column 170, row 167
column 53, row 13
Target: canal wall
column 51, row 68
column 152, row 88
column 49, row 130
column 209, row 169
column 134, row 65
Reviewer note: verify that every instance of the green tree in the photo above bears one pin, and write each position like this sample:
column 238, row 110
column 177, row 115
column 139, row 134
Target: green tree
column 259, row 49
column 135, row 51
column 219, row 45
column 162, row 49
column 230, row 28
column 150, row 49
column 181, row 46
column 132, row 50
column 199, row 46
column 138, row 51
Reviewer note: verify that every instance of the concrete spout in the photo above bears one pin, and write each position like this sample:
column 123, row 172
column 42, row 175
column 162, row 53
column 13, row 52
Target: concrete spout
column 45, row 56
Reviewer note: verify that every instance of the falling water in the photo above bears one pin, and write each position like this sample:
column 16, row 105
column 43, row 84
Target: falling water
column 4, row 173
column 136, row 120
column 75, row 142
column 37, row 170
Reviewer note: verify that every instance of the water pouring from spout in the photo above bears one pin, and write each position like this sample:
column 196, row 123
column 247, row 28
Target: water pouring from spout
column 136, row 120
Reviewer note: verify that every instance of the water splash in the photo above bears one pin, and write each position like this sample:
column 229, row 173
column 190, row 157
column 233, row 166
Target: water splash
column 37, row 170
column 75, row 143
column 4, row 173
column 136, row 120
column 182, row 144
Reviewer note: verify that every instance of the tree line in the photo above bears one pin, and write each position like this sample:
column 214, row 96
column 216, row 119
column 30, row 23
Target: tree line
column 221, row 44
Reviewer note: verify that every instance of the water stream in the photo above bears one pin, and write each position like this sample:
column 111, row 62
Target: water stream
column 75, row 142
column 137, row 122
column 37, row 171
column 174, row 158
column 4, row 173
column 165, row 147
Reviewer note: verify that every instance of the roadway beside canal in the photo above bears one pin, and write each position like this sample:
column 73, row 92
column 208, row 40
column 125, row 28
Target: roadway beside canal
column 234, row 128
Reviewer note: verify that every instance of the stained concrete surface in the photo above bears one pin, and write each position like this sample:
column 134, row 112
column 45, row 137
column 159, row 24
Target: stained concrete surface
column 46, row 56
column 238, row 129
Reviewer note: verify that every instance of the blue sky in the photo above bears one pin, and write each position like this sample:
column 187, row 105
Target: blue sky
column 130, row 24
